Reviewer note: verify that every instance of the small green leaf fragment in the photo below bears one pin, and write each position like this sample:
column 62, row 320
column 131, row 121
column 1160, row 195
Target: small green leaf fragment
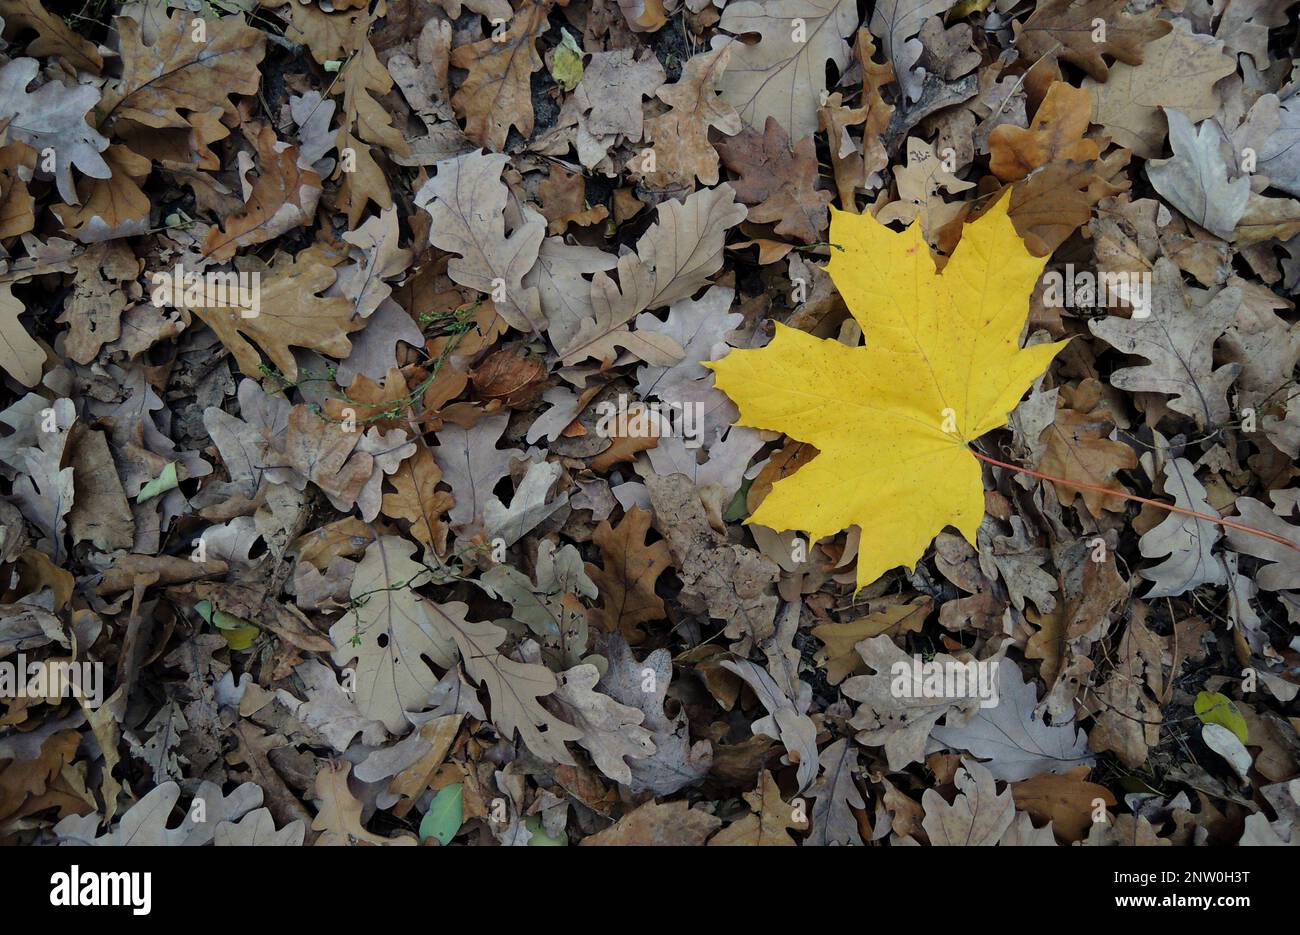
column 1214, row 708
column 240, row 634
column 540, row 838
column 445, row 815
column 566, row 66
column 164, row 482
column 738, row 508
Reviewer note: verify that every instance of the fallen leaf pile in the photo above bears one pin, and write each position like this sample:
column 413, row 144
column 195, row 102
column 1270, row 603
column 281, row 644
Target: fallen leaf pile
column 614, row 422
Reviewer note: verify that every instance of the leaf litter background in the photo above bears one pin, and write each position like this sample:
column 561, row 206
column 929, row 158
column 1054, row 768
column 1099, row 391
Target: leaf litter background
column 462, row 242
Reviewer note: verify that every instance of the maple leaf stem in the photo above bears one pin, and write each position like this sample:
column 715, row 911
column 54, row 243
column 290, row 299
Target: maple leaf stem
column 1218, row 521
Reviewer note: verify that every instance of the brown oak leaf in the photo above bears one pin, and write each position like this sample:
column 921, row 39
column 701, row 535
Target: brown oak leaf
column 627, row 582
column 497, row 94
column 778, row 180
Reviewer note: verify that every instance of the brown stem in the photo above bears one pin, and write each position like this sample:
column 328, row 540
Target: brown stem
column 1218, row 521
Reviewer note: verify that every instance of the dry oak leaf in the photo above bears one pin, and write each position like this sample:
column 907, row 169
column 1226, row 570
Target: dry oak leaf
column 283, row 197
column 361, row 80
column 611, row 732
column 100, row 513
column 642, row 434
column 415, row 498
column 325, row 453
column 291, row 315
column 729, row 582
column 779, row 181
column 901, row 723
column 1178, row 339
column 1265, row 219
column 896, row 23
column 1279, row 157
column 44, row 489
column 672, row 824
column 382, row 257
column 257, row 829
column 1078, row 448
column 366, row 184
column 379, row 405
column 510, row 376
column 783, row 74
column 1283, row 571
column 627, row 582
column 673, row 258
column 1185, row 543
column 643, row 15
column 1013, row 735
column 611, row 89
column 942, row 365
column 472, row 464
column 20, row 356
column 512, row 686
column 394, row 627
column 53, row 37
column 680, row 138
column 53, row 117
column 338, row 812
column 115, row 207
column 560, row 283
column 1073, row 25
column 536, row 496
column 24, row 780
column 1056, row 133
column 178, row 72
column 1127, row 705
column 976, row 818
column 769, row 825
column 328, row 36
column 1195, row 180
column 466, row 202
column 856, row 169
column 550, row 603
column 920, row 184
column 145, row 823
column 792, row 456
column 563, row 197
column 676, row 762
column 94, row 309
column 839, row 656
column 1065, row 799
column 847, row 162
column 387, row 631
column 836, row 795
column 1178, row 70
column 497, row 94
column 17, row 206
column 1057, row 199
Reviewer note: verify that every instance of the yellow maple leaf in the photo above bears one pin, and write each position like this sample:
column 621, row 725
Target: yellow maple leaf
column 891, row 420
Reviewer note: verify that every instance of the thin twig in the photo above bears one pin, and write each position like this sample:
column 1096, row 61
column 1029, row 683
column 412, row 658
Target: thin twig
column 1205, row 517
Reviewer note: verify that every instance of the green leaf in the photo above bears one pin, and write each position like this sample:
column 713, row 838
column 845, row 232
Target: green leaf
column 239, row 633
column 240, row 638
column 566, row 67
column 1213, row 708
column 967, row 7
column 445, row 815
column 540, row 838
column 737, row 509
column 161, row 484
